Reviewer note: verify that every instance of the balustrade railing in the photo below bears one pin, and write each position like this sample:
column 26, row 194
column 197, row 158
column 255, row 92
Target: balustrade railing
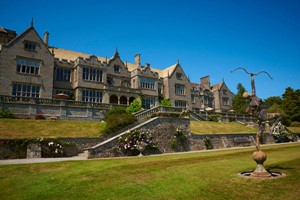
column 54, row 102
column 201, row 115
column 140, row 115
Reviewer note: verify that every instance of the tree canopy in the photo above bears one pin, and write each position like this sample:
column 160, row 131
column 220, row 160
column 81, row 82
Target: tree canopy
column 165, row 102
column 291, row 104
column 239, row 103
column 288, row 105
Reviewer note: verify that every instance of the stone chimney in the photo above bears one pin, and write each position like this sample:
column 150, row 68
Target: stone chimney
column 46, row 37
column 205, row 82
column 137, row 60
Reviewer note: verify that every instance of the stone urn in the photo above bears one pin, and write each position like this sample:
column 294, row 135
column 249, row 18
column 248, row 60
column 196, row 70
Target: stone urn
column 260, row 157
column 142, row 147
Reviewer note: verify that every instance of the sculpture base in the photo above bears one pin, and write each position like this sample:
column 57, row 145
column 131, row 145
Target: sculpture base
column 260, row 172
column 260, row 157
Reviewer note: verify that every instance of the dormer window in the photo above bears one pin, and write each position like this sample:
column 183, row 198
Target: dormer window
column 179, row 76
column 117, row 69
column 30, row 45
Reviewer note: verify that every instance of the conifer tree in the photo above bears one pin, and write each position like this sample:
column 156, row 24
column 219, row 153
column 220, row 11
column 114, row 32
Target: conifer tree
column 239, row 103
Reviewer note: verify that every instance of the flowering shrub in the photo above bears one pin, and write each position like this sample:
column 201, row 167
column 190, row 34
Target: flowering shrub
column 179, row 140
column 55, row 148
column 40, row 116
column 282, row 134
column 136, row 142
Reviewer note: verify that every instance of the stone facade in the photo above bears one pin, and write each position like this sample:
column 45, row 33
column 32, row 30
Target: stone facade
column 31, row 68
column 25, row 66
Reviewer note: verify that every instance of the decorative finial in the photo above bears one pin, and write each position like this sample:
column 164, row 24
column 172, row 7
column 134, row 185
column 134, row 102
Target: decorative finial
column 177, row 60
column 31, row 22
column 116, row 53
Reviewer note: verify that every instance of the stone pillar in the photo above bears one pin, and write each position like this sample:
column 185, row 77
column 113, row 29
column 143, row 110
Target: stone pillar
column 34, row 150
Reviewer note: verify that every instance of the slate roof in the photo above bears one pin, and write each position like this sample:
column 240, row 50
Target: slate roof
column 217, row 86
column 72, row 56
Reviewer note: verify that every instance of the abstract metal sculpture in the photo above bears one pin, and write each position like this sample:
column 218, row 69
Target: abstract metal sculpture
column 257, row 108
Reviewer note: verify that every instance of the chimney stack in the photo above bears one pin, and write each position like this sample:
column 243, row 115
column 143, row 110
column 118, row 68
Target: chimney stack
column 46, row 37
column 137, row 60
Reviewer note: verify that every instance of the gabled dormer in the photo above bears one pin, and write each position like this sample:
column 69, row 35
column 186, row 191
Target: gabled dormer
column 117, row 72
column 28, row 64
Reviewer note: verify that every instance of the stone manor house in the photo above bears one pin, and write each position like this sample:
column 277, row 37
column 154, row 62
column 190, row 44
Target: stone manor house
column 29, row 67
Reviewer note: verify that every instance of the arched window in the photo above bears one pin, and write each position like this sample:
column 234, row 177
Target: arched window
column 123, row 100
column 113, row 99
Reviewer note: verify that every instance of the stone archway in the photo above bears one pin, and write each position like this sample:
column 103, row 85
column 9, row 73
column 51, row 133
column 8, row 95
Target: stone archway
column 123, row 100
column 113, row 99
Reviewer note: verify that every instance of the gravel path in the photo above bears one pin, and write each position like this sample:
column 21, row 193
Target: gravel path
column 40, row 160
column 82, row 156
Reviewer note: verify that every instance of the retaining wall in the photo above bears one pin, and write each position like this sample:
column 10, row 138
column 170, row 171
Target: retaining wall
column 60, row 111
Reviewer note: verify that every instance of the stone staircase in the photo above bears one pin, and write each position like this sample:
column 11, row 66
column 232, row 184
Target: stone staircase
column 111, row 142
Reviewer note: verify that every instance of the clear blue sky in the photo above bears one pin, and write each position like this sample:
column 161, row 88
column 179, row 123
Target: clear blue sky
column 210, row 37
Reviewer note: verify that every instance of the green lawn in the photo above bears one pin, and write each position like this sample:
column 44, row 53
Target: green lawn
column 295, row 129
column 26, row 128
column 198, row 175
column 204, row 127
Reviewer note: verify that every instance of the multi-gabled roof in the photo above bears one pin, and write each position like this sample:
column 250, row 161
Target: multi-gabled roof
column 20, row 36
column 63, row 54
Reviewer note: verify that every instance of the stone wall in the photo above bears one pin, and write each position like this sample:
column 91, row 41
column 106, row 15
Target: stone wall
column 221, row 141
column 28, row 148
column 162, row 130
column 60, row 111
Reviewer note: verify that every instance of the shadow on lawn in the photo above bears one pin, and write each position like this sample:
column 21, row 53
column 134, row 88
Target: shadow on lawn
column 278, row 167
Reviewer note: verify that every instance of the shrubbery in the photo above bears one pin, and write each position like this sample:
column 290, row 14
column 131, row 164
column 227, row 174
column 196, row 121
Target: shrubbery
column 208, row 143
column 282, row 134
column 179, row 141
column 40, row 116
column 136, row 142
column 50, row 147
column 56, row 148
column 6, row 113
column 165, row 102
column 295, row 124
column 135, row 106
column 117, row 118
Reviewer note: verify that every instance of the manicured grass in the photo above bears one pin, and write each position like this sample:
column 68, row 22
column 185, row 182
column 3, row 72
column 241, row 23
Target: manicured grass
column 25, row 128
column 200, row 175
column 294, row 129
column 203, row 127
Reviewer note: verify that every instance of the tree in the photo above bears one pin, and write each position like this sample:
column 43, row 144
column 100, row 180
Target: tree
column 274, row 104
column 273, row 100
column 135, row 106
column 165, row 102
column 291, row 104
column 239, row 103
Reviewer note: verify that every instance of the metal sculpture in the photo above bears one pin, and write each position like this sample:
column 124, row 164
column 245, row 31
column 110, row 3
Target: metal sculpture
column 256, row 107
